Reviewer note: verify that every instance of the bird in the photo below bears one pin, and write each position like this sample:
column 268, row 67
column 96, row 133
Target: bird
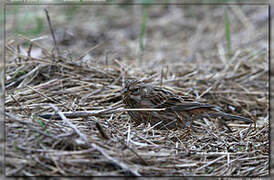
column 178, row 112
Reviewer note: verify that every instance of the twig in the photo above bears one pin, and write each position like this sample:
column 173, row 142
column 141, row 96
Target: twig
column 29, row 50
column 14, row 172
column 15, row 118
column 211, row 162
column 43, row 95
column 32, row 42
column 131, row 149
column 94, row 113
column 205, row 92
column 24, row 76
column 238, row 92
column 52, row 33
column 101, row 150
column 88, row 51
column 162, row 74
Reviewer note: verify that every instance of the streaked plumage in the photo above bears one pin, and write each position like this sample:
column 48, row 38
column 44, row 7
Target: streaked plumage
column 179, row 112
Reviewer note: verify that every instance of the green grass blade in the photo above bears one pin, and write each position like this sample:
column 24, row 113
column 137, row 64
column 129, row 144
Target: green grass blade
column 143, row 30
column 227, row 34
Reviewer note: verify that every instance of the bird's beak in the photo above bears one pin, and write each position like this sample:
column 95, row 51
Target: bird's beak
column 125, row 90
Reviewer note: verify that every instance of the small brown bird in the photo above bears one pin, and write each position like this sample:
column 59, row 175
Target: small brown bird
column 178, row 112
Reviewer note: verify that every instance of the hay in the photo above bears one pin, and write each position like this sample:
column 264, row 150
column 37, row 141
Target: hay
column 102, row 140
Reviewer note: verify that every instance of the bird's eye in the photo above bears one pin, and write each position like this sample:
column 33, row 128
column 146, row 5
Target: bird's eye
column 135, row 91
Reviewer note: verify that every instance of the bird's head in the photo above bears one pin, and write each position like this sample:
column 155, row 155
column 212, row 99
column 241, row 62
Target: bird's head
column 133, row 89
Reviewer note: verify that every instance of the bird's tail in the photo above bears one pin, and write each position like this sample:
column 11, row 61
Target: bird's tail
column 229, row 116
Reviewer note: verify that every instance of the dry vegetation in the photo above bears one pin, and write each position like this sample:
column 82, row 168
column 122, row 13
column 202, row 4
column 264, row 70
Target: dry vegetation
column 185, row 50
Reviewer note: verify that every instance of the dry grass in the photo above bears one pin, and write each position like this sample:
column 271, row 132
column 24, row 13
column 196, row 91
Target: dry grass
column 105, row 141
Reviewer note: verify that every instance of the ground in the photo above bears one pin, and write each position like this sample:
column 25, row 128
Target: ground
column 214, row 53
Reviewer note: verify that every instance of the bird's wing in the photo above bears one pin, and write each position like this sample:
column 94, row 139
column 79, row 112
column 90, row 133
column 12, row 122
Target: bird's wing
column 166, row 99
column 158, row 96
column 171, row 102
column 176, row 104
